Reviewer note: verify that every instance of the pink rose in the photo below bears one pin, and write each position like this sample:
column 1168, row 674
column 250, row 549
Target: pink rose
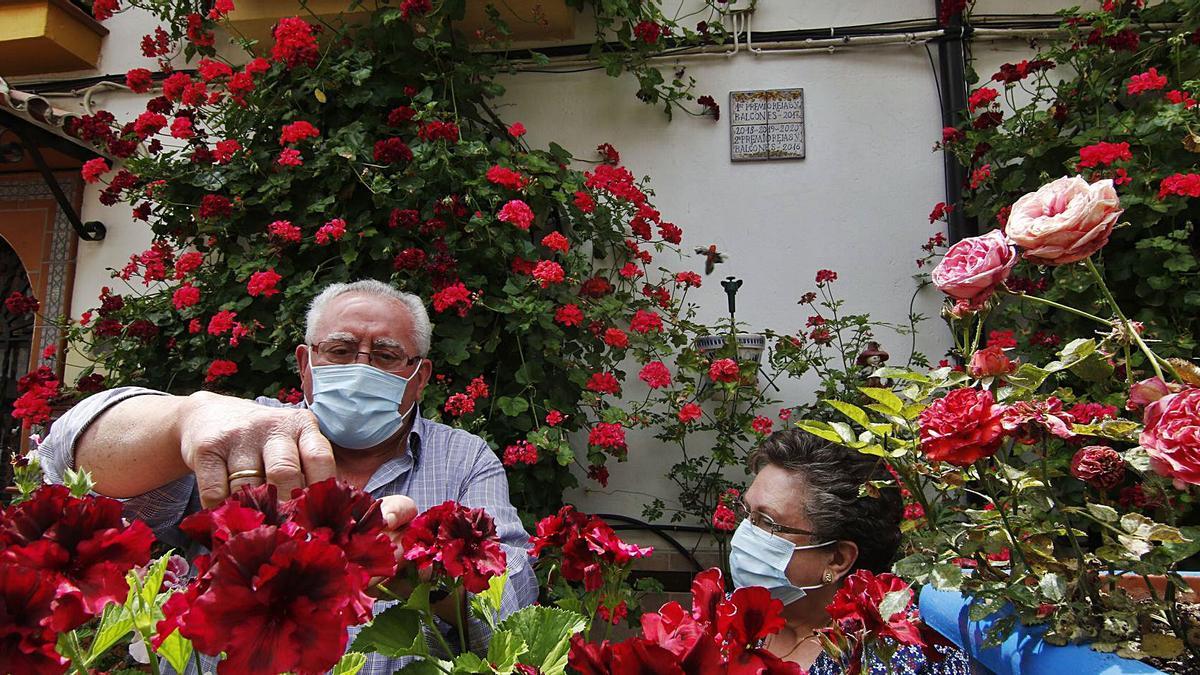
column 1065, row 221
column 975, row 266
column 1172, row 436
column 1149, row 390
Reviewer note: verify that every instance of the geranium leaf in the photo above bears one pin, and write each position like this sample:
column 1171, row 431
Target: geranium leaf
column 395, row 632
column 470, row 664
column 546, row 631
column 115, row 624
column 504, row 650
column 177, row 650
column 487, row 604
column 349, row 664
column 426, row 667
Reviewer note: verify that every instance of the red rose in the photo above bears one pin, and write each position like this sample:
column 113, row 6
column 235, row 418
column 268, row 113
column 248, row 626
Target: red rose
column 962, row 427
column 1172, row 436
column 1028, row 420
column 1099, row 466
column 990, row 362
column 856, row 606
column 456, row 541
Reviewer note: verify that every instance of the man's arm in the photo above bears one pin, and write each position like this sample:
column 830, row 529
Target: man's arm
column 132, row 444
column 486, row 487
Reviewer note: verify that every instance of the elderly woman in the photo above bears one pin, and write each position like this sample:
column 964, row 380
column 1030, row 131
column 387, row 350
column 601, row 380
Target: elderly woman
column 805, row 526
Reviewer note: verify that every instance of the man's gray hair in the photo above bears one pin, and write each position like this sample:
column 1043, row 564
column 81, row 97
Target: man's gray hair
column 422, row 329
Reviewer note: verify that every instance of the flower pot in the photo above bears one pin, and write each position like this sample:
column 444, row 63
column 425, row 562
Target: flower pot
column 47, row 36
column 1023, row 652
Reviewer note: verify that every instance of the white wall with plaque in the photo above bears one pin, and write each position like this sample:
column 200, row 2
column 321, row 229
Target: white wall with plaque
column 766, row 125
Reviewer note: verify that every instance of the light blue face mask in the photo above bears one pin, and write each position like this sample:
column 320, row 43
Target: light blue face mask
column 357, row 405
column 759, row 558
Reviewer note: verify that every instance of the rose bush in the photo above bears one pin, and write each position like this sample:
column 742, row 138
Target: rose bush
column 1014, row 473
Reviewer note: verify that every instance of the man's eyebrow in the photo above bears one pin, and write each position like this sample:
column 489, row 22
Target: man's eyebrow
column 387, row 342
column 342, row 336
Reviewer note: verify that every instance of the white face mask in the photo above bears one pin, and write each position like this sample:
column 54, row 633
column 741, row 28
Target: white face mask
column 357, row 405
column 759, row 558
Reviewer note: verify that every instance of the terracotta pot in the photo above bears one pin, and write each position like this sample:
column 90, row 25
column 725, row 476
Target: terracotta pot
column 1135, row 586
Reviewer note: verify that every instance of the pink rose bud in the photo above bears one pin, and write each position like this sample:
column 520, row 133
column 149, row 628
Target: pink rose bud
column 1143, row 393
column 989, row 362
column 973, row 268
column 1064, row 221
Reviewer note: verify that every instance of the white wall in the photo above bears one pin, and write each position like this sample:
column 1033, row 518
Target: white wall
column 858, row 203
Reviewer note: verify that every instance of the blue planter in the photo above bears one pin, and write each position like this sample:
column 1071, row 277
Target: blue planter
column 1024, row 652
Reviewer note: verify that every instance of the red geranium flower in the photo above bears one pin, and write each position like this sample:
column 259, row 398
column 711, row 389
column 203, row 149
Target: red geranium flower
column 645, row 321
column 569, row 315
column 505, row 177
column 856, row 606
column 516, row 212
column 81, row 543
column 295, row 43
column 724, row 370
column 26, row 640
column 456, row 541
column 296, row 132
column 690, row 412
column 220, row 368
column 263, row 283
column 656, row 375
column 604, row 383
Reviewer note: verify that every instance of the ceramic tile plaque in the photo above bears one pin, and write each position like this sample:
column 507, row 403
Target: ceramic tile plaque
column 766, row 124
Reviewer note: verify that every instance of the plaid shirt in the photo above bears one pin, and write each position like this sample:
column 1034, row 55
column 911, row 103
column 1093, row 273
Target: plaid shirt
column 443, row 463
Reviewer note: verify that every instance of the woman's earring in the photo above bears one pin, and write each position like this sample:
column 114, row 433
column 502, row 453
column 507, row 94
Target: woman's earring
column 827, row 577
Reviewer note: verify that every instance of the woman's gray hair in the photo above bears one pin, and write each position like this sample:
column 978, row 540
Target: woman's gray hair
column 837, row 509
column 422, row 329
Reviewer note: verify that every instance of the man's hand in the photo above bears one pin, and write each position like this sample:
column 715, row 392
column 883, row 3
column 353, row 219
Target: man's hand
column 222, row 435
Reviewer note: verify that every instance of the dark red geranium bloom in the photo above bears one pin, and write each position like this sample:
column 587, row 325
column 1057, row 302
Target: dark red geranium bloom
column 350, row 519
column 242, row 511
column 584, row 543
column 457, row 541
column 81, row 542
column 749, row 615
column 26, row 641
column 273, row 602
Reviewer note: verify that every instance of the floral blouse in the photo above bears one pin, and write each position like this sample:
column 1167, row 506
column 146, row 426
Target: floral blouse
column 908, row 660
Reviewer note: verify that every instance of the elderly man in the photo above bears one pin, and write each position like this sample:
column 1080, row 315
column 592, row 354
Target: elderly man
column 363, row 368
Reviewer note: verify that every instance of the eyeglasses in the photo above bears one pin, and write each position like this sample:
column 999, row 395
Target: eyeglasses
column 764, row 522
column 344, row 352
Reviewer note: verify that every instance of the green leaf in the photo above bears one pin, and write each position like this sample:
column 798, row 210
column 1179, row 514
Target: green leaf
column 850, row 410
column 885, row 397
column 115, row 623
column 349, row 664
column 487, row 604
column 894, row 603
column 1105, row 514
column 947, row 577
column 395, row 632
column 504, row 651
column 547, row 632
column 1053, row 586
column 470, row 664
column 177, row 650
column 820, row 430
column 901, row 374
column 845, row 433
column 1161, row 646
column 426, row 667
column 512, row 406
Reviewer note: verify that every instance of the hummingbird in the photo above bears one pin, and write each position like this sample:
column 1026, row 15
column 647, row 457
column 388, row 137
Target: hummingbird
column 712, row 257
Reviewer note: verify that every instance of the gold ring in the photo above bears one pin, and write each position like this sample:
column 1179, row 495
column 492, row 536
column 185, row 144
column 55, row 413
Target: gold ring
column 245, row 473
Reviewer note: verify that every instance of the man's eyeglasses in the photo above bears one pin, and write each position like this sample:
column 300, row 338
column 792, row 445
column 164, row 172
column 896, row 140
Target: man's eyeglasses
column 764, row 522
column 342, row 352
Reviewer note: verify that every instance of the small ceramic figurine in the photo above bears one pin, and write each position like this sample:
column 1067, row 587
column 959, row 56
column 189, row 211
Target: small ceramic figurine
column 870, row 360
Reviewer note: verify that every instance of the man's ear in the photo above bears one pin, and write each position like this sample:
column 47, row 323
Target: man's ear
column 422, row 376
column 302, row 357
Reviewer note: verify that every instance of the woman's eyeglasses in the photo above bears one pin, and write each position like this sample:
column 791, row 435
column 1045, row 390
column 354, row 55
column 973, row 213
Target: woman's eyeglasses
column 764, row 522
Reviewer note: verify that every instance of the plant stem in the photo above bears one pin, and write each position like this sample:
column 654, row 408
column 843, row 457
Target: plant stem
column 460, row 598
column 1008, row 528
column 1065, row 308
column 1125, row 324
